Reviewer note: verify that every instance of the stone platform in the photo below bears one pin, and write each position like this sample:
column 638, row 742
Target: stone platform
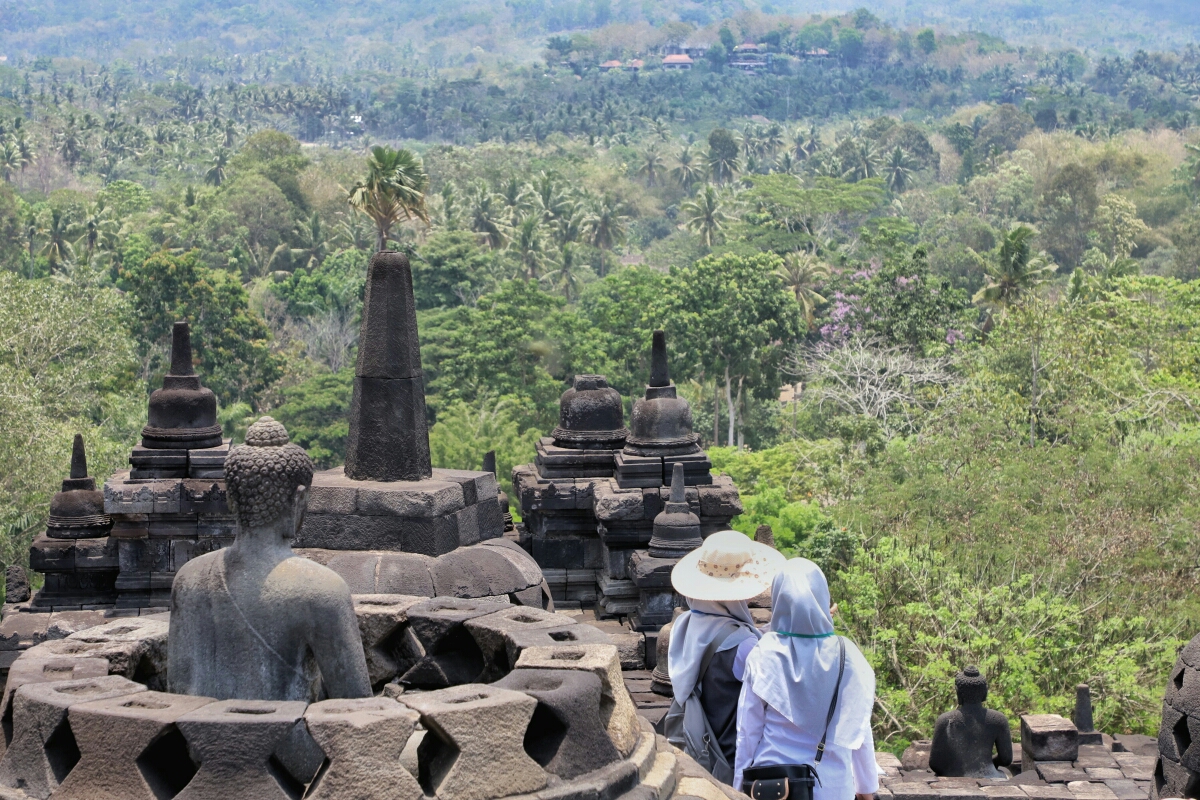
column 87, row 716
column 454, row 508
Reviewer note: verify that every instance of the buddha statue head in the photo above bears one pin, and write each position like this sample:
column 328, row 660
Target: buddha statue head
column 267, row 481
column 971, row 687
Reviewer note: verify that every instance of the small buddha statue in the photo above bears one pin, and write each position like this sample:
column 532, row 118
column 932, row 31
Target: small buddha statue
column 254, row 621
column 963, row 739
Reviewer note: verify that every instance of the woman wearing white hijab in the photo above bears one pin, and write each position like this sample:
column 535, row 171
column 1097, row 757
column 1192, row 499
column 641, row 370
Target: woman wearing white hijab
column 788, row 687
column 718, row 579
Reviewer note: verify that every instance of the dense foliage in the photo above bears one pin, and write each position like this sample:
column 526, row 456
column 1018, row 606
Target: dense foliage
column 932, row 296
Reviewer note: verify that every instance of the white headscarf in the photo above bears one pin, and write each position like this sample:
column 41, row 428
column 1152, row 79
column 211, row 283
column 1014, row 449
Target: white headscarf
column 693, row 632
column 795, row 666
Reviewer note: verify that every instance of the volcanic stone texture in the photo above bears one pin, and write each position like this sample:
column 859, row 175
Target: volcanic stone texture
column 450, row 509
column 389, row 436
column 44, row 749
column 565, row 736
column 130, row 748
column 474, row 747
column 362, row 740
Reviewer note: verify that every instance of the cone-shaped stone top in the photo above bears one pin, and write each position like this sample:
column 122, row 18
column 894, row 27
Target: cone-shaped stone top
column 181, row 350
column 182, row 414
column 78, row 458
column 389, row 435
column 77, row 512
column 489, row 461
column 676, row 529
column 388, row 346
column 660, row 374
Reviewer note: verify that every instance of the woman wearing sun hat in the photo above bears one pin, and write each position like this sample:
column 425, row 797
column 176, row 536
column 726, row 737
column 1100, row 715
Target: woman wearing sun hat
column 806, row 700
column 718, row 579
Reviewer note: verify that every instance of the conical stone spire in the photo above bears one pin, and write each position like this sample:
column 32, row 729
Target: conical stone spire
column 660, row 374
column 77, row 512
column 78, row 458
column 489, row 461
column 182, row 414
column 676, row 529
column 389, row 436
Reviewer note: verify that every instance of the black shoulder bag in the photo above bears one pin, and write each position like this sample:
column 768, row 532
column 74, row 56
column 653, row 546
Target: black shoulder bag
column 794, row 781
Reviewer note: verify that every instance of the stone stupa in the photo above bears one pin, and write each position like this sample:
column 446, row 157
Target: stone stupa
column 387, row 521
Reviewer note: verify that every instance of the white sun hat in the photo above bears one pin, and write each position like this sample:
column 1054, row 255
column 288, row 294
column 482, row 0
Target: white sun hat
column 728, row 566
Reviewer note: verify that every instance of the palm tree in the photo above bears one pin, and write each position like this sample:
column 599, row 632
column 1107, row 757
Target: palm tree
column 688, row 169
column 652, row 166
column 10, row 159
column 565, row 277
column 486, row 217
column 898, row 170
column 352, row 231
column 862, row 162
column 802, row 274
column 215, row 174
column 705, row 215
column 660, row 129
column 723, row 166
column 58, row 246
column 529, row 245
column 313, row 243
column 605, row 226
column 1015, row 271
column 393, row 191
column 1193, row 165
column 97, row 226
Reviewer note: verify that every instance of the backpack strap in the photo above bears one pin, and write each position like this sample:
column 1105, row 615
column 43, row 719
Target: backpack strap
column 833, row 703
column 711, row 651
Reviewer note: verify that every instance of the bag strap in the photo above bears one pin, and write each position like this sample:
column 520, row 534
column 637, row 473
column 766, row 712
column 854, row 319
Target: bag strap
column 833, row 703
column 711, row 650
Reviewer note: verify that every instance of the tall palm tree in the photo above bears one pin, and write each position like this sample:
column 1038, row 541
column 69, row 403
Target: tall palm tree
column 652, row 167
column 95, row 227
column 10, row 159
column 529, row 245
column 487, row 217
column 1015, row 271
column 605, row 226
column 723, row 166
column 392, row 192
column 898, row 170
column 565, row 276
column 862, row 161
column 58, row 247
column 687, row 170
column 216, row 173
column 802, row 274
column 705, row 215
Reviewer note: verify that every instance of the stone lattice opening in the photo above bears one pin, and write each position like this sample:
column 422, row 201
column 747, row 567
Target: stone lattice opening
column 1178, row 679
column 287, row 782
column 6, row 721
column 1183, row 737
column 165, row 764
column 563, row 636
column 62, row 752
column 435, row 757
column 544, row 735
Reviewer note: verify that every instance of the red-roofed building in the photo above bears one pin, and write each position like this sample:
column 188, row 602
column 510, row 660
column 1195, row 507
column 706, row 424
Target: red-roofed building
column 607, row 65
column 677, row 61
column 635, row 65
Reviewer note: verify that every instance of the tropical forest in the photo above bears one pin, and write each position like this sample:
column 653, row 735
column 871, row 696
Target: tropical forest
column 929, row 276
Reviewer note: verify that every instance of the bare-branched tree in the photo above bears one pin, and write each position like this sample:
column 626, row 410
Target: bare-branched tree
column 866, row 377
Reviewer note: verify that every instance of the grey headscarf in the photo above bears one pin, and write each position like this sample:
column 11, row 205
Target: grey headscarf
column 794, row 668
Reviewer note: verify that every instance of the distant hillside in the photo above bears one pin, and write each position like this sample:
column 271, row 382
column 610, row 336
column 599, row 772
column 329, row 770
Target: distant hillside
column 107, row 29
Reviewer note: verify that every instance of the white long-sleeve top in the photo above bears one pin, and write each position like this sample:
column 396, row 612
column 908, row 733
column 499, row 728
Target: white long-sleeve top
column 766, row 738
